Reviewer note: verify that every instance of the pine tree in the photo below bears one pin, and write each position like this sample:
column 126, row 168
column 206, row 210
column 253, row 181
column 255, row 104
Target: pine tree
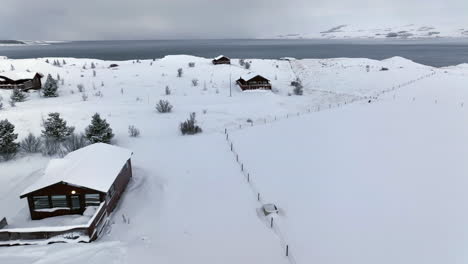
column 12, row 67
column 99, row 131
column 64, row 62
column 8, row 146
column 17, row 96
column 93, row 66
column 55, row 128
column 50, row 87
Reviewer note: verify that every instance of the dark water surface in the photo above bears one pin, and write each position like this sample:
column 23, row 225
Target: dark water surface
column 434, row 53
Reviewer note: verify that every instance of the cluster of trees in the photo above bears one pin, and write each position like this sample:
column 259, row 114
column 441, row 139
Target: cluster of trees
column 57, row 138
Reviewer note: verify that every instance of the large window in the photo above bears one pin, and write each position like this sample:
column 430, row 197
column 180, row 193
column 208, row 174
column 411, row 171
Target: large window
column 59, row 201
column 92, row 199
column 41, row 202
column 75, row 202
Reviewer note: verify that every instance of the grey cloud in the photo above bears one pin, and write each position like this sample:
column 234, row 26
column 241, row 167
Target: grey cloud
column 159, row 19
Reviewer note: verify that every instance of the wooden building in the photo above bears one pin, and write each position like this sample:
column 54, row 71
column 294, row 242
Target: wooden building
column 92, row 176
column 256, row 82
column 221, row 60
column 21, row 80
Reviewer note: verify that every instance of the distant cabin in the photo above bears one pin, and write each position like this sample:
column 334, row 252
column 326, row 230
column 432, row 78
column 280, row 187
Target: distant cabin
column 221, row 60
column 21, row 80
column 96, row 175
column 255, row 83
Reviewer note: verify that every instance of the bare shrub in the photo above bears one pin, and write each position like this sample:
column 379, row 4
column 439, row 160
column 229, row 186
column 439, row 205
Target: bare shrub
column 80, row 87
column 163, row 106
column 31, row 144
column 133, row 131
column 168, row 90
column 180, row 72
column 190, row 127
column 195, row 82
column 75, row 142
column 191, row 64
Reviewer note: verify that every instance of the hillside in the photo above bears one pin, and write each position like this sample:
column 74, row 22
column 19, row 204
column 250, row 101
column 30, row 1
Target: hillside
column 189, row 202
column 410, row 31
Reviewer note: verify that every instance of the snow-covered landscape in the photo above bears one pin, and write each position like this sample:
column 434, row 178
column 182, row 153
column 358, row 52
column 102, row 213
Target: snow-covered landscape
column 390, row 32
column 365, row 167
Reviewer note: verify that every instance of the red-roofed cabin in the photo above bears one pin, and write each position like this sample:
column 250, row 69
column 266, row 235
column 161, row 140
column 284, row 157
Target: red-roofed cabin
column 221, row 60
column 90, row 176
column 21, row 80
column 255, row 83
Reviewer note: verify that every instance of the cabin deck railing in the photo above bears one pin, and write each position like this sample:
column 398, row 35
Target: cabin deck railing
column 80, row 233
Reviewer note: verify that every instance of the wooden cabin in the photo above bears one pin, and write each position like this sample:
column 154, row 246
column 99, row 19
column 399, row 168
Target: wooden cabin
column 21, row 80
column 221, row 60
column 92, row 176
column 254, row 83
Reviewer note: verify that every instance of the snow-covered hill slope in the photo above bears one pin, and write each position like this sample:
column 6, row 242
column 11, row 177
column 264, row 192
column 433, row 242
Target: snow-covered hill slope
column 188, row 201
column 370, row 183
column 411, row 31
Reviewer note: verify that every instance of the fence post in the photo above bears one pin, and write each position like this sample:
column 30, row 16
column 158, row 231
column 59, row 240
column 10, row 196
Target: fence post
column 242, row 167
column 258, row 196
column 225, row 131
column 237, row 157
column 271, row 222
column 231, row 147
column 248, row 177
column 287, row 250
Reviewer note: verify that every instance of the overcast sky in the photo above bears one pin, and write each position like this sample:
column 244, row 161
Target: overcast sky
column 169, row 19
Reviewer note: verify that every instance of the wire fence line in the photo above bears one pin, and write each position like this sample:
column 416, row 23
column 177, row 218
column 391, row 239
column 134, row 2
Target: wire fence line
column 249, row 179
column 274, row 222
column 323, row 107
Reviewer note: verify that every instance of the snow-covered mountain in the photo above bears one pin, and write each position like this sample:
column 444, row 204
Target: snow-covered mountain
column 411, row 31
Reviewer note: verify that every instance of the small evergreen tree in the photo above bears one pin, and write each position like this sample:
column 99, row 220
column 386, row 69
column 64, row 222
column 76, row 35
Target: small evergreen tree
column 8, row 146
column 17, row 96
column 12, row 68
column 99, row 131
column 64, row 62
column 168, row 90
column 55, row 128
column 93, row 66
column 180, row 72
column 50, row 87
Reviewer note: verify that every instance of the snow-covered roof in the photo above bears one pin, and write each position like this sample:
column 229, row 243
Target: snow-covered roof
column 250, row 75
column 220, row 57
column 95, row 167
column 16, row 76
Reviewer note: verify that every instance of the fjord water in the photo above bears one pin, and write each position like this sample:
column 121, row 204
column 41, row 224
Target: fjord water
column 436, row 53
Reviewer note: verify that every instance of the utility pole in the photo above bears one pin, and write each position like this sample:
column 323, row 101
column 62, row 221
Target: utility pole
column 230, row 81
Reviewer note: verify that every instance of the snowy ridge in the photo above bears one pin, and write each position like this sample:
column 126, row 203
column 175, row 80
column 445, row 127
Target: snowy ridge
column 411, row 31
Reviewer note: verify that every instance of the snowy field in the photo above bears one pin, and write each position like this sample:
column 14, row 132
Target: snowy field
column 361, row 183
